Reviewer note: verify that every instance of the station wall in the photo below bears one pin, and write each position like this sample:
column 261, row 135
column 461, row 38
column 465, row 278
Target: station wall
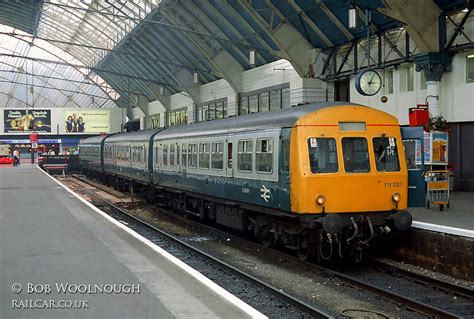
column 456, row 92
column 280, row 72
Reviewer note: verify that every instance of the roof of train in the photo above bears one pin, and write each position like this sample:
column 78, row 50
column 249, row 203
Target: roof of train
column 93, row 139
column 132, row 136
column 274, row 119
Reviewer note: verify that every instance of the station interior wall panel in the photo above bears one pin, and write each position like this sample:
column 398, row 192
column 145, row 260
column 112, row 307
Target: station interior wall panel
column 280, row 72
column 461, row 155
column 456, row 94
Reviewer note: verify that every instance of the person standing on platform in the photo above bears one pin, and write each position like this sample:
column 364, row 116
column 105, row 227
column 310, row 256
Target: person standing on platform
column 16, row 157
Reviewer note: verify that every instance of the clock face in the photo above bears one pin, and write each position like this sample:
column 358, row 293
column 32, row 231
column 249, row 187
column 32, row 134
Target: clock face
column 368, row 82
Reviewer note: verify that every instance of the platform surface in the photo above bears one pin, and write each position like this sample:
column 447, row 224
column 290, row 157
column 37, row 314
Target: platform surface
column 459, row 215
column 48, row 238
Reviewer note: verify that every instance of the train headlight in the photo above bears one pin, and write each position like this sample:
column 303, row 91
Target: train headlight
column 320, row 200
column 396, row 197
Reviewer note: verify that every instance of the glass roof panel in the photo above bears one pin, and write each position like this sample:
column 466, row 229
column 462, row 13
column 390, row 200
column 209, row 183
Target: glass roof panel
column 37, row 73
column 89, row 29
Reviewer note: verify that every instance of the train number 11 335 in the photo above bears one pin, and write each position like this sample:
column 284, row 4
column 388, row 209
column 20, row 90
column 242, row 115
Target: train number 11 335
column 393, row 184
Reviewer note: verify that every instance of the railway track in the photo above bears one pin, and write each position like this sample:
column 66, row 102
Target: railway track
column 441, row 289
column 170, row 244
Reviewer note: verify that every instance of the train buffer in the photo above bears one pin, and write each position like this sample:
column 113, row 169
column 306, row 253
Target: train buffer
column 55, row 168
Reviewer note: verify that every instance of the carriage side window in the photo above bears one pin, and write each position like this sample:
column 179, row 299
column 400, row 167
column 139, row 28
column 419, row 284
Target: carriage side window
column 156, row 154
column 217, row 155
column 322, row 155
column 204, row 155
column 184, row 155
column 244, row 155
column 264, row 155
column 356, row 155
column 386, row 154
column 192, row 155
column 165, row 154
column 172, row 154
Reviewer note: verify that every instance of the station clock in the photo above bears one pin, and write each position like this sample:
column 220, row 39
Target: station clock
column 368, row 82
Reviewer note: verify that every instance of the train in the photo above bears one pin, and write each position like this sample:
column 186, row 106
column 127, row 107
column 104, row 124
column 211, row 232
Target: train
column 325, row 180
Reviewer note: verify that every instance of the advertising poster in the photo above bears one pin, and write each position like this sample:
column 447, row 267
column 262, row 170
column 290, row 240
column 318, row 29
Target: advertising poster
column 426, row 149
column 23, row 121
column 86, row 121
column 440, row 148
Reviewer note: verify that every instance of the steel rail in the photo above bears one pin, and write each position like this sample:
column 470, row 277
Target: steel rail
column 281, row 295
column 408, row 303
column 426, row 280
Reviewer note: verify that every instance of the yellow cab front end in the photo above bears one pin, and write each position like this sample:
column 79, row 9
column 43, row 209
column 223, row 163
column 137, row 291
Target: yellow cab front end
column 348, row 161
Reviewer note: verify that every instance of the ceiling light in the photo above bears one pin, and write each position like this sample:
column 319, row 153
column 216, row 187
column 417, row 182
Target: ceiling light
column 352, row 18
column 252, row 57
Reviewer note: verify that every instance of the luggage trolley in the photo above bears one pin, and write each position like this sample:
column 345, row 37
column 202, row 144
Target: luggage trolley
column 437, row 186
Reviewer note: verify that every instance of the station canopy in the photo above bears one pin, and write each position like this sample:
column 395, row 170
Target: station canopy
column 108, row 53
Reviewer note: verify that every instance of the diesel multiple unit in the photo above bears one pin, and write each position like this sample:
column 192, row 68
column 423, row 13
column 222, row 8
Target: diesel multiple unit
column 321, row 179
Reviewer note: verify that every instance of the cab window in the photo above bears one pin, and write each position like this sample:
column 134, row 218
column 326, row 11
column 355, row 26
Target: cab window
column 386, row 154
column 322, row 155
column 356, row 155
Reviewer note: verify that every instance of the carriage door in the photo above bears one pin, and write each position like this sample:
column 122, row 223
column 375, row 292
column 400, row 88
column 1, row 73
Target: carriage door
column 414, row 148
column 230, row 160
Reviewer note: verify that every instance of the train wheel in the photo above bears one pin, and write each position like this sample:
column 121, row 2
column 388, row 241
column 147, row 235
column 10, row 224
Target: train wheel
column 303, row 254
column 267, row 241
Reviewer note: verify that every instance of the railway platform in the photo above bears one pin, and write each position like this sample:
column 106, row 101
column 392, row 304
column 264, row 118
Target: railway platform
column 60, row 258
column 456, row 220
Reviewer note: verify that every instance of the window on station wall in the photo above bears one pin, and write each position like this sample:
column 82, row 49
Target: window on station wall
column 406, row 78
column 253, row 104
column 422, row 81
column 265, row 100
column 285, row 98
column 178, row 117
column 470, row 68
column 244, row 105
column 264, row 103
column 275, row 100
column 389, row 81
column 410, row 77
column 212, row 110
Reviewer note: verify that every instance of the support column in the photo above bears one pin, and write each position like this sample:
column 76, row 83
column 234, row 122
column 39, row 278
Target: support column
column 432, row 97
column 433, row 65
